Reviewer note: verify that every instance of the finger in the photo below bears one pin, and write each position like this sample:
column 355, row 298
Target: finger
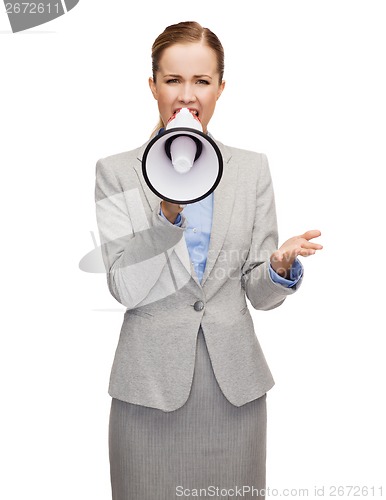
column 312, row 233
column 315, row 246
column 307, row 252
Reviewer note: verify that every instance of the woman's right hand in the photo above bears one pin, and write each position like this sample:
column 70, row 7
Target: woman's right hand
column 171, row 210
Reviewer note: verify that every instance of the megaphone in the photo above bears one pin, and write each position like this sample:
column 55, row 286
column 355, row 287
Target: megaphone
column 182, row 164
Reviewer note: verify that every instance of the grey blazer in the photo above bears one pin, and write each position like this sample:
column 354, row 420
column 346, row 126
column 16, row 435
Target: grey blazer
column 149, row 271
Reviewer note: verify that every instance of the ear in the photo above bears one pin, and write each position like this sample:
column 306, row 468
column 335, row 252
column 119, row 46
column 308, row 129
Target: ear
column 153, row 88
column 220, row 89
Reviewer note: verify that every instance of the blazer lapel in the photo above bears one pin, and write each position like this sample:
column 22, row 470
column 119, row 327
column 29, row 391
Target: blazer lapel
column 223, row 200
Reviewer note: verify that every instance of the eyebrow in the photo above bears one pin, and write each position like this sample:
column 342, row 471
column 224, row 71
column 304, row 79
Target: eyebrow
column 194, row 76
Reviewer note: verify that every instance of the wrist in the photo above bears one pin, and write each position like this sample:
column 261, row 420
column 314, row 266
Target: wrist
column 281, row 267
column 171, row 217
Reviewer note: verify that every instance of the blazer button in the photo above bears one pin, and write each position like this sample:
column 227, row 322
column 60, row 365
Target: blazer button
column 199, row 305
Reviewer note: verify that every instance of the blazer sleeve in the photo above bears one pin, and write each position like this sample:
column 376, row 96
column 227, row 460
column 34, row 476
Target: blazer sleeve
column 261, row 290
column 136, row 261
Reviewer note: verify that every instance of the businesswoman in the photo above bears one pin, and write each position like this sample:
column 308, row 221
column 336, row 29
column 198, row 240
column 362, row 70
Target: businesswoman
column 189, row 379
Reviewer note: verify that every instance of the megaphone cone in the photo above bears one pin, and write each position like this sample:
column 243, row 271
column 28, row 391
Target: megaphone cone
column 182, row 164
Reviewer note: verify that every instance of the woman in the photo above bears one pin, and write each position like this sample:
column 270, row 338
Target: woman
column 189, row 379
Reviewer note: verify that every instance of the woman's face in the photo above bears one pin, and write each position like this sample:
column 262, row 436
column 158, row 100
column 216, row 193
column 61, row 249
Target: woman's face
column 187, row 78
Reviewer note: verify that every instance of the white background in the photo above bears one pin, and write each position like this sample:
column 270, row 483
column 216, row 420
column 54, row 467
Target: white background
column 305, row 85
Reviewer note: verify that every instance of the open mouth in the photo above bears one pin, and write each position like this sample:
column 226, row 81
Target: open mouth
column 194, row 113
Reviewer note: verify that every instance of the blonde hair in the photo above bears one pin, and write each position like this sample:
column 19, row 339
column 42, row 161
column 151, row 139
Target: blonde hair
column 185, row 32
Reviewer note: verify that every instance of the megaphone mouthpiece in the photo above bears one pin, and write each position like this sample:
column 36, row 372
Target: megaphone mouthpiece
column 183, row 151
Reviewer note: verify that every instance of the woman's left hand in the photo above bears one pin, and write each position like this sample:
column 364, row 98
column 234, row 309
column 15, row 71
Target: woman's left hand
column 283, row 258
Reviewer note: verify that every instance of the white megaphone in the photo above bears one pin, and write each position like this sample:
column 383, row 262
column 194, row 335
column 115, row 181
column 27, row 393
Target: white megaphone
column 182, row 164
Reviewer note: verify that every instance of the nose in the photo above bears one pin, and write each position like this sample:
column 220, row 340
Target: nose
column 187, row 94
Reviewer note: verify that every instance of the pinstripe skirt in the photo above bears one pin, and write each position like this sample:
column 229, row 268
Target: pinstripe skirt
column 208, row 448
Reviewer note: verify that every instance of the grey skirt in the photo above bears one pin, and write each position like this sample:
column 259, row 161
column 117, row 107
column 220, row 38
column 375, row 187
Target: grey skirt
column 208, row 448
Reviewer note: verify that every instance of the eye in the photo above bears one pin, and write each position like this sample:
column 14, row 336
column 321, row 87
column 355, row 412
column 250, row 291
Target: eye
column 203, row 82
column 172, row 80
